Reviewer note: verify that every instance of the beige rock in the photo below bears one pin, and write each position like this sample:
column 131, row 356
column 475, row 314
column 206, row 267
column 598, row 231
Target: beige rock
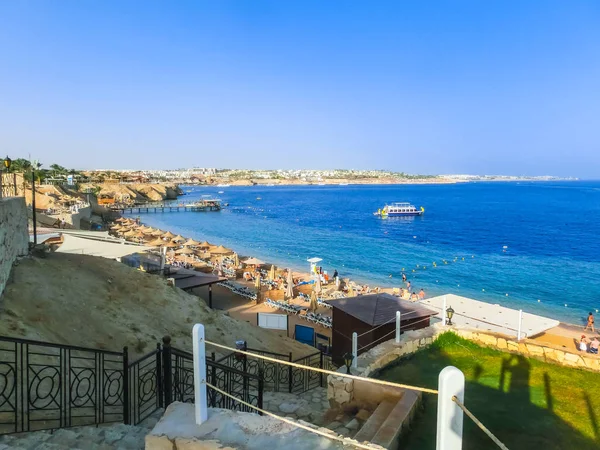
column 486, row 339
column 159, row 443
column 501, row 343
column 187, row 444
column 535, row 349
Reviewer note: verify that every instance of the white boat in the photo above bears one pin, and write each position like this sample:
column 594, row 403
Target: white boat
column 343, row 184
column 270, row 184
column 223, row 185
column 221, row 192
column 320, row 184
column 399, row 209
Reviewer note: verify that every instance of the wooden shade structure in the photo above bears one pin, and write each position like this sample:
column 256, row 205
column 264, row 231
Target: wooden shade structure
column 179, row 239
column 185, row 251
column 372, row 317
column 191, row 243
column 168, row 235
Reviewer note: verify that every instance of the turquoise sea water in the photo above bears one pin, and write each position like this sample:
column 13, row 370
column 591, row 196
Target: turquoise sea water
column 551, row 231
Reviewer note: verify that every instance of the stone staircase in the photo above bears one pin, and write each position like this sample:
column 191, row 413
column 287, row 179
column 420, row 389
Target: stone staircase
column 102, row 437
column 388, row 421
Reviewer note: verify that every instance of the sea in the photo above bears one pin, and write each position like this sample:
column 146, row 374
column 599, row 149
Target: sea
column 525, row 245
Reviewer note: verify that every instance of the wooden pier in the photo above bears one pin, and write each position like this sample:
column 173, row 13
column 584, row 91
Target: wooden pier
column 163, row 208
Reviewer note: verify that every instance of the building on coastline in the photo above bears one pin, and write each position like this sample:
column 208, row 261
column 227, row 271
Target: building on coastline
column 373, row 318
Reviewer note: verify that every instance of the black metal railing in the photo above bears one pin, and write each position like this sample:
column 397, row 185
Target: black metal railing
column 282, row 377
column 49, row 386
column 44, row 386
column 144, row 386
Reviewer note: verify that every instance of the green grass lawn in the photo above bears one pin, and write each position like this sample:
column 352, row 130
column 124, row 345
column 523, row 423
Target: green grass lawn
column 526, row 403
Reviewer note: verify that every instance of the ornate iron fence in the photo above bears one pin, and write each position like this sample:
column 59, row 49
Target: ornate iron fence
column 281, row 377
column 45, row 386
column 145, row 393
column 49, row 386
column 243, row 385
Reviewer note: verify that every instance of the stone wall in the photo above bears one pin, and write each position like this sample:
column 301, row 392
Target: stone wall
column 532, row 349
column 14, row 237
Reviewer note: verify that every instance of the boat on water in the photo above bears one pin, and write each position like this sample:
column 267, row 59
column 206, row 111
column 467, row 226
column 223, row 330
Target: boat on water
column 343, row 184
column 223, row 185
column 399, row 209
column 270, row 185
column 221, row 192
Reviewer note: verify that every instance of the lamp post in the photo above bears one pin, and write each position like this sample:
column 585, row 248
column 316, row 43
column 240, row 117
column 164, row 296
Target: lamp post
column 348, row 357
column 449, row 315
column 34, row 166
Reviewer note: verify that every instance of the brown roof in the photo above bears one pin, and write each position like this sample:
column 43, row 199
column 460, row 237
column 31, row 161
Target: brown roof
column 377, row 309
column 197, row 281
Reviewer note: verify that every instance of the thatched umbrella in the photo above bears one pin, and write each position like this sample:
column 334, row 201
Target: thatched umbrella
column 257, row 283
column 115, row 227
column 220, row 250
column 168, row 235
column 205, row 244
column 253, row 262
column 313, row 301
column 191, row 243
column 120, row 219
column 178, row 238
column 317, row 287
column 202, row 254
column 130, row 233
column 157, row 243
column 289, row 291
column 185, row 251
column 272, row 273
column 157, row 233
column 171, row 245
column 350, row 290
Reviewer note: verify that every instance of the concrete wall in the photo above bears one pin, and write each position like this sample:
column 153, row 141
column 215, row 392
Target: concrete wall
column 14, row 237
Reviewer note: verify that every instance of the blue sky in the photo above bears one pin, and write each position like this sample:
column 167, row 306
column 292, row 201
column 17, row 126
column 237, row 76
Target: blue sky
column 418, row 86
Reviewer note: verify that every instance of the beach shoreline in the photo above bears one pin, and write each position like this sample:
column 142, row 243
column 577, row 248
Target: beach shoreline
column 304, row 275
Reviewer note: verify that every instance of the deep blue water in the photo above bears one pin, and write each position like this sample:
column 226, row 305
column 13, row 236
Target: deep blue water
column 551, row 231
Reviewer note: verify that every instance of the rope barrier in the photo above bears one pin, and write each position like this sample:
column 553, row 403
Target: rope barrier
column 328, row 372
column 391, row 332
column 291, row 422
column 479, row 424
column 388, row 322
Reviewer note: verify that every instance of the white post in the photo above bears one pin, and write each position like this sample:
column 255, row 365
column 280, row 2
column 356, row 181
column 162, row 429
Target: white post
column 451, row 383
column 354, row 350
column 444, row 312
column 520, row 323
column 397, row 327
column 200, row 397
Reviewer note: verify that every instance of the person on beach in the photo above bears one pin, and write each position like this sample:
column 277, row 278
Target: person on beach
column 594, row 346
column 408, row 285
column 583, row 343
column 414, row 296
column 335, row 274
column 421, row 294
column 590, row 322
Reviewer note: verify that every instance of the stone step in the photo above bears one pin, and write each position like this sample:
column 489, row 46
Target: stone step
column 372, row 425
column 389, row 432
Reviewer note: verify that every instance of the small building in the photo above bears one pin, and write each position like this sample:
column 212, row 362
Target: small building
column 373, row 318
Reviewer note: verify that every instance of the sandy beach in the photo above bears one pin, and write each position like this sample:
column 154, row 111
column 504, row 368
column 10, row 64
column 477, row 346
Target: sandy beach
column 480, row 315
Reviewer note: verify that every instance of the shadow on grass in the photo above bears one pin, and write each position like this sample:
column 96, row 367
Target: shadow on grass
column 507, row 411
